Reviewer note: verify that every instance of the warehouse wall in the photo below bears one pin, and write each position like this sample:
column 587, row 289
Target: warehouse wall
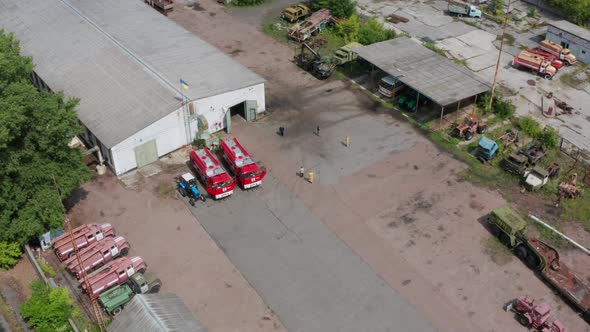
column 214, row 108
column 170, row 133
column 578, row 46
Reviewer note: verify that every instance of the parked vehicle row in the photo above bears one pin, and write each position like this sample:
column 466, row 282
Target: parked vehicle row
column 110, row 275
column 545, row 60
column 217, row 181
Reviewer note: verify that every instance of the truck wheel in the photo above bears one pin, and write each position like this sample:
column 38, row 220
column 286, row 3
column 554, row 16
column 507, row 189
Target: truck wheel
column 548, row 77
column 155, row 289
column 203, row 198
column 523, row 321
column 468, row 135
column 117, row 311
column 505, row 239
column 142, row 270
column 521, row 252
column 124, row 252
column 532, row 262
column 482, row 129
column 182, row 192
column 566, row 63
column 191, row 202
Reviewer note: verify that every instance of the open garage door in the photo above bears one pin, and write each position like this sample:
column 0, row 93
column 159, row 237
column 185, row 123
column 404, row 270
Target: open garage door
column 146, row 153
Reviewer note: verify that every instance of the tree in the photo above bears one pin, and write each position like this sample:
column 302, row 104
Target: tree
column 349, row 29
column 48, row 309
column 497, row 7
column 372, row 31
column 338, row 8
column 9, row 254
column 577, row 11
column 35, row 129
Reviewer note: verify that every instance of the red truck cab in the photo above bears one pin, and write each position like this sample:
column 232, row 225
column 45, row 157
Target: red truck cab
column 97, row 254
column 215, row 179
column 83, row 236
column 249, row 174
column 113, row 273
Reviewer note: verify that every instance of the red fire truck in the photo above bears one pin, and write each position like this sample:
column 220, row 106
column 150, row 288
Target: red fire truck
column 241, row 164
column 83, row 236
column 215, row 179
column 97, row 254
column 113, row 273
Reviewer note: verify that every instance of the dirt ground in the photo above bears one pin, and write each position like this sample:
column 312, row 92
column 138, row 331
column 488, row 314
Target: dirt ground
column 419, row 227
column 175, row 247
column 14, row 284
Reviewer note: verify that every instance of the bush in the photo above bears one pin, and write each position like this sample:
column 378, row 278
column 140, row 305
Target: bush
column 199, row 143
column 548, row 137
column 502, row 107
column 48, row 309
column 48, row 270
column 349, row 29
column 529, row 126
column 338, row 8
column 9, row 254
column 532, row 12
column 372, row 31
column 247, row 2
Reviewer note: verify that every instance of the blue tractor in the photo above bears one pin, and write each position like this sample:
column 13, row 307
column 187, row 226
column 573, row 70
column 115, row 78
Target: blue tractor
column 486, row 149
column 187, row 186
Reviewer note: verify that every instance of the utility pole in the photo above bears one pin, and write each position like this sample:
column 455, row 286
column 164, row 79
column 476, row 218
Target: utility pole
column 499, row 54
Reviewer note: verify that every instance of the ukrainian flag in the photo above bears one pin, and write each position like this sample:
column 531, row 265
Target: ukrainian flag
column 183, row 84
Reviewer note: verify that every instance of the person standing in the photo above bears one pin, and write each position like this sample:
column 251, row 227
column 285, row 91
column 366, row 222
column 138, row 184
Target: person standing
column 301, row 171
column 317, row 130
column 282, row 131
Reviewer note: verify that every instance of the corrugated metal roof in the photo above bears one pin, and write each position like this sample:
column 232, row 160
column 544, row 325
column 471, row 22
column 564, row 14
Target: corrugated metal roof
column 434, row 76
column 156, row 313
column 123, row 60
column 569, row 27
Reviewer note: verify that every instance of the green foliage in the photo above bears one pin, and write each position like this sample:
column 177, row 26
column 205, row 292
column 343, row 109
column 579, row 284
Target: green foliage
column 529, row 126
column 199, row 143
column 497, row 6
column 338, row 8
column 502, row 107
column 349, row 29
column 577, row 11
column 548, row 137
column 532, row 12
column 9, row 254
column 48, row 309
column 372, row 31
column 508, row 38
column 433, row 47
column 47, row 269
column 241, row 3
column 35, row 129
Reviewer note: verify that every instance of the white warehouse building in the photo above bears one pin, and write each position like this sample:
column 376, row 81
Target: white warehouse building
column 124, row 60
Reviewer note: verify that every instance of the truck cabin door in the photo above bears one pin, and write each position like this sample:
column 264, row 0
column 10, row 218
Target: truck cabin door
column 130, row 271
column 99, row 236
column 144, row 287
column 114, row 251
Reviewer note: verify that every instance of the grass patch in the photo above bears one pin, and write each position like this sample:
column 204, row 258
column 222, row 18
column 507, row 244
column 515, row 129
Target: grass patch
column 276, row 29
column 165, row 190
column 48, row 270
column 508, row 38
column 10, row 316
column 460, row 62
column 498, row 253
column 547, row 235
column 433, row 47
column 353, row 69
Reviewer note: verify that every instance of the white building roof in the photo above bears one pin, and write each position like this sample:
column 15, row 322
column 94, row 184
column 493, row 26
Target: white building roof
column 123, row 59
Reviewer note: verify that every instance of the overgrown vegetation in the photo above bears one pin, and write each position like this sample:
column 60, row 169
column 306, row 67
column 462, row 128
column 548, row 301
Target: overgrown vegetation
column 47, row 269
column 48, row 309
column 35, row 129
column 501, row 106
column 497, row 7
column 242, row 3
column 532, row 12
column 508, row 38
column 10, row 253
column 433, row 47
column 338, row 8
column 365, row 32
column 577, row 11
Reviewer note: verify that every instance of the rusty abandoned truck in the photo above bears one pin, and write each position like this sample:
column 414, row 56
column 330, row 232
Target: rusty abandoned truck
column 510, row 228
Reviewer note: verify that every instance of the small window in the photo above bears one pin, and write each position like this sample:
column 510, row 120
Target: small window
column 97, row 233
column 90, row 237
column 122, row 273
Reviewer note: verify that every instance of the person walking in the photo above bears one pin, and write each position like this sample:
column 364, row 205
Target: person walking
column 317, row 130
column 301, row 171
column 282, row 131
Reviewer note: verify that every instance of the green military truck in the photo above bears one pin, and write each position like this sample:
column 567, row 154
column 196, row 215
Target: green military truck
column 346, row 53
column 510, row 228
column 114, row 299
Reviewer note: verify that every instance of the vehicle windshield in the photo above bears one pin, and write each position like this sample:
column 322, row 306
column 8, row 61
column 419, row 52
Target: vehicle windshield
column 221, row 184
column 386, row 85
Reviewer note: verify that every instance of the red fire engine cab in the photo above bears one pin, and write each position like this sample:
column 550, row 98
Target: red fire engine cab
column 216, row 180
column 249, row 174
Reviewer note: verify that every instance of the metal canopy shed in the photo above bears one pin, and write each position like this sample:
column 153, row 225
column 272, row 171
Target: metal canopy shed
column 432, row 75
column 156, row 313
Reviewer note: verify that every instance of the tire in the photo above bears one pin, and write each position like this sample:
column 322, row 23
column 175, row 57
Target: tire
column 182, row 192
column 521, row 252
column 532, row 261
column 203, row 198
column 468, row 135
column 142, row 270
column 155, row 289
column 116, row 311
column 547, row 76
column 191, row 202
column 124, row 252
column 482, row 129
column 566, row 63
column 523, row 321
column 505, row 239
